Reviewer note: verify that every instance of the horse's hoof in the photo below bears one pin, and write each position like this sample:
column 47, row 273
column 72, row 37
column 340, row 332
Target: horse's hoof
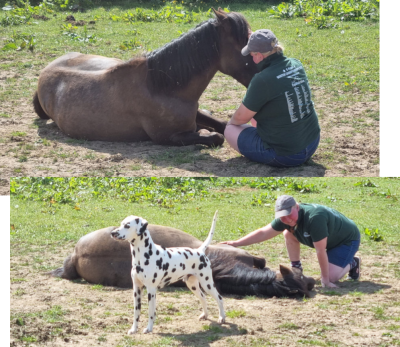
column 206, row 112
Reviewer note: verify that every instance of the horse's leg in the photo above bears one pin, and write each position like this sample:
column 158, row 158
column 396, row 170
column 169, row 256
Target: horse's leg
column 204, row 119
column 194, row 138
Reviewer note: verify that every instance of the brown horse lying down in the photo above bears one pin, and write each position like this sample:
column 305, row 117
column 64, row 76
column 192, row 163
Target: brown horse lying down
column 154, row 97
column 100, row 259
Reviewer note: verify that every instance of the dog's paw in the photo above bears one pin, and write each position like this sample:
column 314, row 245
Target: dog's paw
column 221, row 320
column 147, row 330
column 132, row 331
column 203, row 316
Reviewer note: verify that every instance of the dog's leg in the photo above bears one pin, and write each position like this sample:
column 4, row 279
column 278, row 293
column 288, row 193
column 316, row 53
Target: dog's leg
column 137, row 301
column 151, row 295
column 193, row 284
column 209, row 287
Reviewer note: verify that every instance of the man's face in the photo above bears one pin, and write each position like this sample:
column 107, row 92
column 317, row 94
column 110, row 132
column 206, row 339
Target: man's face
column 292, row 218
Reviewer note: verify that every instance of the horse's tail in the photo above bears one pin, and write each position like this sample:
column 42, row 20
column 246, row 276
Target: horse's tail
column 38, row 108
column 68, row 271
column 243, row 280
column 205, row 244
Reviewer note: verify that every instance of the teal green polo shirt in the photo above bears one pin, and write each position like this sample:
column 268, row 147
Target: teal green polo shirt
column 281, row 97
column 317, row 222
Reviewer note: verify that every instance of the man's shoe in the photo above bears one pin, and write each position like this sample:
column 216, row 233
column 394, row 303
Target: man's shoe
column 355, row 273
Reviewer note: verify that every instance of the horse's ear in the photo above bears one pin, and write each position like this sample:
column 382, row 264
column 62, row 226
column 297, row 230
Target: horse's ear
column 220, row 14
column 284, row 270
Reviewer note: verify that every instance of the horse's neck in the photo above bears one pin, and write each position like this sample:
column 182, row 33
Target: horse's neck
column 198, row 84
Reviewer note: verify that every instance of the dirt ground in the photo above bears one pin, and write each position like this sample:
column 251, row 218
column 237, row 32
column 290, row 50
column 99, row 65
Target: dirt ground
column 47, row 311
column 34, row 147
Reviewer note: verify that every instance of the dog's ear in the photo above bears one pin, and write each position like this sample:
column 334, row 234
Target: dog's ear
column 143, row 228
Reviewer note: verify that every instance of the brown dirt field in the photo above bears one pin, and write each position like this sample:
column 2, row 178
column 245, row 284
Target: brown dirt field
column 364, row 313
column 34, row 147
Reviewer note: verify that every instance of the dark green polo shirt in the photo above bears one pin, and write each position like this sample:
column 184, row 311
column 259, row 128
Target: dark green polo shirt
column 317, row 222
column 281, row 96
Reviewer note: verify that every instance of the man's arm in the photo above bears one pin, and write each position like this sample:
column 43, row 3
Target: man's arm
column 241, row 116
column 320, row 247
column 259, row 235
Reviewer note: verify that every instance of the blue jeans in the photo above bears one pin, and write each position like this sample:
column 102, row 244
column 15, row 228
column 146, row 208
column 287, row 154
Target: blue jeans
column 343, row 255
column 251, row 146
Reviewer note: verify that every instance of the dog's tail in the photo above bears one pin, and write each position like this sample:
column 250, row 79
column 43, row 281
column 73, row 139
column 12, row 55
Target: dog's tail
column 205, row 244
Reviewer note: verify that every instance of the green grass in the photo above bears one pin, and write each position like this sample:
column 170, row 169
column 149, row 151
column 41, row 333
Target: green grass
column 66, row 209
column 344, row 62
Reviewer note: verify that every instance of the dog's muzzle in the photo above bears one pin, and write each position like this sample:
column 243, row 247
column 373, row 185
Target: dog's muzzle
column 114, row 234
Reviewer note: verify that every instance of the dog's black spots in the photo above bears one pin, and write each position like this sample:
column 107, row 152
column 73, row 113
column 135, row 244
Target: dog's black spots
column 173, row 270
column 207, row 278
column 168, row 279
column 149, row 296
column 133, row 253
column 159, row 263
column 146, row 255
column 201, row 266
column 138, row 291
column 152, row 295
column 163, row 248
column 133, row 242
column 137, row 220
column 137, row 319
column 139, row 306
column 138, row 269
column 201, row 287
column 147, row 262
column 155, row 275
column 169, row 255
column 193, row 266
column 135, row 294
column 179, row 252
column 166, row 273
column 201, row 275
column 138, row 249
column 198, row 254
column 143, row 228
column 145, row 234
column 126, row 226
column 208, row 286
column 193, row 288
column 151, row 318
column 185, row 255
column 158, row 252
column 146, row 242
column 202, row 258
column 188, row 250
column 182, row 266
column 219, row 297
column 165, row 266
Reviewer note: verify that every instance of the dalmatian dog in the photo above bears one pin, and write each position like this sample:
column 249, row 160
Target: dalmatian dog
column 154, row 267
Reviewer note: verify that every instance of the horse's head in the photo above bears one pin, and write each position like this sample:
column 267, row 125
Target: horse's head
column 294, row 279
column 234, row 31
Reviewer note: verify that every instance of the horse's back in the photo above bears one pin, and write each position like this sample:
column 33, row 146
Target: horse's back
column 75, row 61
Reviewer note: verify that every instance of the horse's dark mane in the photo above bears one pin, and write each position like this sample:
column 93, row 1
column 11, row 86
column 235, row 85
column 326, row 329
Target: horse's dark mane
column 243, row 280
column 172, row 66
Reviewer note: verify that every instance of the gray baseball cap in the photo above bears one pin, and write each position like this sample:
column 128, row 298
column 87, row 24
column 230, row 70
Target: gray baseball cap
column 262, row 41
column 283, row 205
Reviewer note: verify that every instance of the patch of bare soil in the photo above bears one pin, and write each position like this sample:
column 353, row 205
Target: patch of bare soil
column 46, row 311
column 34, row 147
